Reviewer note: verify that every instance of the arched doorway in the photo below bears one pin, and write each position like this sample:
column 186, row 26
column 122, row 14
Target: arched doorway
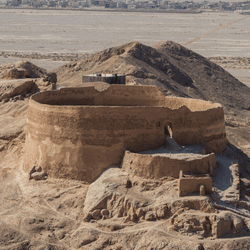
column 168, row 130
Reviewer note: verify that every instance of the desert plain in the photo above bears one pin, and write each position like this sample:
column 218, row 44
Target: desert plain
column 64, row 35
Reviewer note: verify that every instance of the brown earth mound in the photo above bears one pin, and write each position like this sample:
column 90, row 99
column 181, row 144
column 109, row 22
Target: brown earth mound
column 26, row 70
column 174, row 69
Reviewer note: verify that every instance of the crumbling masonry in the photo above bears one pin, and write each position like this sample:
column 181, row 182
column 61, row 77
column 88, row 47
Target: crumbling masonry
column 77, row 133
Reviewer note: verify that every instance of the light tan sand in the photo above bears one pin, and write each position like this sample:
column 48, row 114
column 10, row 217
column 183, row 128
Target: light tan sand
column 80, row 32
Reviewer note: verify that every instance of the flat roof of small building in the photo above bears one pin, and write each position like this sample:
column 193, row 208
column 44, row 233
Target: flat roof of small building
column 104, row 75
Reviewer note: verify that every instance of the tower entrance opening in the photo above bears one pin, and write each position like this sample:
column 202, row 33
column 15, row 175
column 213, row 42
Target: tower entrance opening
column 168, row 130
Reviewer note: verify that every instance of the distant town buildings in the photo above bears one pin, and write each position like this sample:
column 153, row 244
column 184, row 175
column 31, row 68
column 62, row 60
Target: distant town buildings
column 160, row 5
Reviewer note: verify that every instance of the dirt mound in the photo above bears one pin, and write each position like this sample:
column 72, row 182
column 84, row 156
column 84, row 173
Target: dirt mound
column 168, row 65
column 212, row 81
column 24, row 69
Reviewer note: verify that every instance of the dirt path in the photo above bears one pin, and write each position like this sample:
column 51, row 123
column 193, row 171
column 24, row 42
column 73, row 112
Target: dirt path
column 213, row 31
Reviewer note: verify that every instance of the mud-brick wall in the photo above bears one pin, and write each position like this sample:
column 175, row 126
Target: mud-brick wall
column 77, row 133
column 188, row 185
column 206, row 127
column 198, row 122
column 114, row 95
column 80, row 142
column 156, row 166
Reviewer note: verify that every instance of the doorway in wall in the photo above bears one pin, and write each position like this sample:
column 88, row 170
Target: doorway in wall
column 168, row 130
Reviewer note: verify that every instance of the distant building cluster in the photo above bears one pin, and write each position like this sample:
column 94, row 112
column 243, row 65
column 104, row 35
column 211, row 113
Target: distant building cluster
column 241, row 7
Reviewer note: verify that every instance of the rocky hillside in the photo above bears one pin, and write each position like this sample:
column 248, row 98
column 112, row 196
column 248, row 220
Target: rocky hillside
column 175, row 69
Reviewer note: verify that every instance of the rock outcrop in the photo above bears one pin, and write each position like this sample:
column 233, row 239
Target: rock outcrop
column 16, row 89
column 110, row 197
column 24, row 69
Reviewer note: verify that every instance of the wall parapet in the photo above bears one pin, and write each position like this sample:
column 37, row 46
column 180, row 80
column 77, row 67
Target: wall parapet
column 157, row 166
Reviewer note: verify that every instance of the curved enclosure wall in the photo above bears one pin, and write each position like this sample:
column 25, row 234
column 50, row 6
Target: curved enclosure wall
column 157, row 166
column 77, row 133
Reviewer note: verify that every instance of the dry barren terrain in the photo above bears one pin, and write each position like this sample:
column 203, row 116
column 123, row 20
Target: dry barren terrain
column 217, row 35
column 119, row 211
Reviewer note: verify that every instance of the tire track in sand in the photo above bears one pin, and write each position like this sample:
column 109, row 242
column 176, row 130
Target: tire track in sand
column 213, row 31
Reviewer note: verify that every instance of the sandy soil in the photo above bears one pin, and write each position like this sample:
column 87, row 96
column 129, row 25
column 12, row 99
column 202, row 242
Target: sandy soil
column 42, row 32
column 43, row 63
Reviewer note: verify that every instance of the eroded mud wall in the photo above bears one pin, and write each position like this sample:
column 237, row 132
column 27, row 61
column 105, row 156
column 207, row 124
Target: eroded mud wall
column 191, row 185
column 78, row 133
column 150, row 167
column 80, row 142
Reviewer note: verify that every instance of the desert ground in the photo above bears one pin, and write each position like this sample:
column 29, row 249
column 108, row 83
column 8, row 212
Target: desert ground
column 120, row 210
column 222, row 36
